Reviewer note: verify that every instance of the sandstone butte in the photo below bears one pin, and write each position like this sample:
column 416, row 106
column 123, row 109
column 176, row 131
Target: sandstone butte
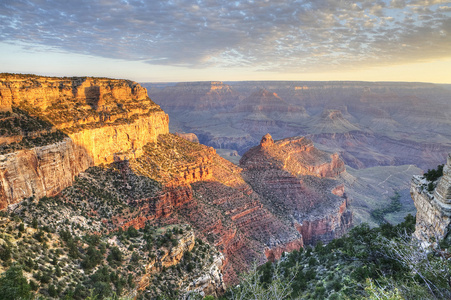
column 285, row 194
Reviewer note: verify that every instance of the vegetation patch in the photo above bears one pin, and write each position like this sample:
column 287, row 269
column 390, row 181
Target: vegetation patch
column 367, row 263
column 394, row 206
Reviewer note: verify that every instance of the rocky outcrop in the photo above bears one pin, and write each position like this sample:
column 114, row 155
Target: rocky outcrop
column 433, row 219
column 105, row 120
column 171, row 256
column 296, row 155
column 41, row 171
column 209, row 283
column 167, row 257
column 300, row 182
column 188, row 136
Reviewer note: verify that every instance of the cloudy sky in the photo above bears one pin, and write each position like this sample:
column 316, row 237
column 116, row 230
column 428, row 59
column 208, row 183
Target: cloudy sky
column 186, row 40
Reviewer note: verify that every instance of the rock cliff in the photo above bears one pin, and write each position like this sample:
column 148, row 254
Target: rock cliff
column 300, row 182
column 433, row 217
column 211, row 95
column 86, row 122
column 40, row 171
column 207, row 191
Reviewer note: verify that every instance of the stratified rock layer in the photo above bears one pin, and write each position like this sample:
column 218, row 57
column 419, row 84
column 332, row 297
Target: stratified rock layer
column 207, row 191
column 104, row 120
column 433, row 219
column 41, row 171
column 300, row 182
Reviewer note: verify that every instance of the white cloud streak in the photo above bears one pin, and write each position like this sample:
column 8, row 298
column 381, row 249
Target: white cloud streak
column 285, row 36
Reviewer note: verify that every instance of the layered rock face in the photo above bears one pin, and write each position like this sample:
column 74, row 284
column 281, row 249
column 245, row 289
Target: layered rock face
column 298, row 181
column 42, row 92
column 208, row 282
column 368, row 123
column 210, row 95
column 298, row 200
column 199, row 187
column 40, row 171
column 433, row 217
column 87, row 121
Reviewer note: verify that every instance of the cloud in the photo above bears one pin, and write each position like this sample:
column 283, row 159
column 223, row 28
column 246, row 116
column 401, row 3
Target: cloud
column 295, row 35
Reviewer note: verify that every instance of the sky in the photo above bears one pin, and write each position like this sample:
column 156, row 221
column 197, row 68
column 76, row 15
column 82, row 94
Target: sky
column 203, row 40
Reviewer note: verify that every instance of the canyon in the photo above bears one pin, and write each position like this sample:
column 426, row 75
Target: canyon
column 92, row 162
column 368, row 123
column 101, row 150
column 385, row 132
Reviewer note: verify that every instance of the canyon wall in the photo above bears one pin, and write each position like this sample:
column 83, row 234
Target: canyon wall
column 40, row 171
column 433, row 217
column 368, row 123
column 103, row 120
column 300, row 182
column 41, row 91
column 118, row 142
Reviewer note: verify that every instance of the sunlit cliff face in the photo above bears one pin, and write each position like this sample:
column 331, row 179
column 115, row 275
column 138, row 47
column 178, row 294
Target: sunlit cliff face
column 88, row 121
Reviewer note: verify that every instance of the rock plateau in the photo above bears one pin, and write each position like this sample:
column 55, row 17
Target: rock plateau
column 103, row 120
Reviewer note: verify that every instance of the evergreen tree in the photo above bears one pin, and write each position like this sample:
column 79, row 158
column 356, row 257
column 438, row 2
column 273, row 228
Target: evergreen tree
column 13, row 285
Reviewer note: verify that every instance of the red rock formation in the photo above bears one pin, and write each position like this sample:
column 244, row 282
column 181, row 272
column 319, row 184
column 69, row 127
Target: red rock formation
column 296, row 155
column 299, row 181
column 208, row 192
column 201, row 188
column 276, row 253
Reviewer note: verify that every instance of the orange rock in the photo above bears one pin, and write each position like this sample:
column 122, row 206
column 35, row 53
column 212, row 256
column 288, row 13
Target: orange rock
column 97, row 139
